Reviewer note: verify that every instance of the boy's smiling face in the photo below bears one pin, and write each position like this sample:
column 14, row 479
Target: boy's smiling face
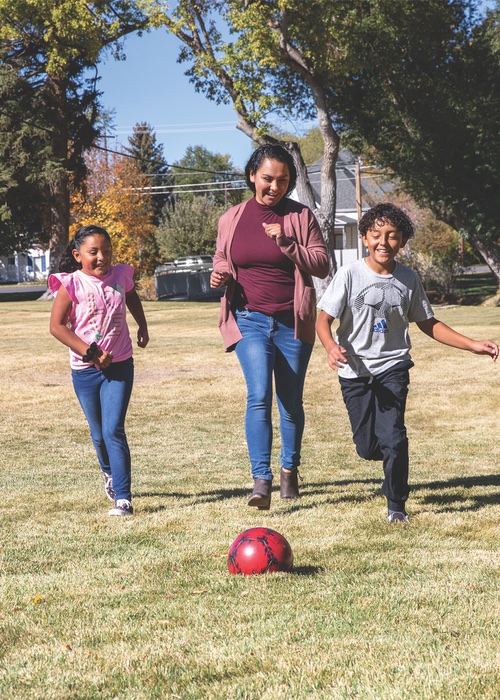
column 384, row 241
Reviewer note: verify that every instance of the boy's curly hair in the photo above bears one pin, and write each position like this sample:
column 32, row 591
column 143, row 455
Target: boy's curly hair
column 387, row 213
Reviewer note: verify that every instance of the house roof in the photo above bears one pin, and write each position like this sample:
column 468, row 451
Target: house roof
column 374, row 186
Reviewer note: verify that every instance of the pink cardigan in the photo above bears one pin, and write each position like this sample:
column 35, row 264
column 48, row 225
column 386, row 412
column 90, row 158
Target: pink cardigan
column 302, row 242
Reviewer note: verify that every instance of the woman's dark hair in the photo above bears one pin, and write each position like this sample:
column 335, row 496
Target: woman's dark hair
column 68, row 262
column 387, row 213
column 272, row 153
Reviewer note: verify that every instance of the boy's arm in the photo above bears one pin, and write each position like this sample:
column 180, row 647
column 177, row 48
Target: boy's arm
column 446, row 335
column 134, row 305
column 335, row 352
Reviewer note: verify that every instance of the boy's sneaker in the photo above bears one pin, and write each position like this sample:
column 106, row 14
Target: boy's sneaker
column 397, row 516
column 122, row 507
column 108, row 486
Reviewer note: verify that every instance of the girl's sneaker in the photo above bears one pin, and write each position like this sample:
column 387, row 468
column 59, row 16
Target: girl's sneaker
column 122, row 507
column 108, row 486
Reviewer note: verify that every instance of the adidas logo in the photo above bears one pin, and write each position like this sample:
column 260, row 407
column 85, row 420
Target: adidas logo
column 380, row 327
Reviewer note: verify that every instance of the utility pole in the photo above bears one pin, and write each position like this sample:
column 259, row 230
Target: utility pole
column 359, row 204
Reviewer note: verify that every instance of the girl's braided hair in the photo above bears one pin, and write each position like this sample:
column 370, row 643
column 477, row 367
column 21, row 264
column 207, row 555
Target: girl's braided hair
column 68, row 262
column 387, row 213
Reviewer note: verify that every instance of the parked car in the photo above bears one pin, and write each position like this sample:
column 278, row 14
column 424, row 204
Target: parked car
column 194, row 260
column 186, row 277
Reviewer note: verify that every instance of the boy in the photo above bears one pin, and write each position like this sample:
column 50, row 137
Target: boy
column 375, row 299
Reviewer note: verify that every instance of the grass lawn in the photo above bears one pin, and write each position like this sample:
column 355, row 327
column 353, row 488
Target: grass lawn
column 143, row 607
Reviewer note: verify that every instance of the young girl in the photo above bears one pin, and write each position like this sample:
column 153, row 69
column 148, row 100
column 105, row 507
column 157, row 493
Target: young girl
column 89, row 316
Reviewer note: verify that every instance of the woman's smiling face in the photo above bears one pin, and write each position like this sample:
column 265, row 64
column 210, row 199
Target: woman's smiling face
column 271, row 182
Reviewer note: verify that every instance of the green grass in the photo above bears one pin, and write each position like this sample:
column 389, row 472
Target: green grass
column 99, row 607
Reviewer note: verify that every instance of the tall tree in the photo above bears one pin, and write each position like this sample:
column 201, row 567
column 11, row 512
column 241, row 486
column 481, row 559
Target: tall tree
column 431, row 116
column 191, row 229
column 49, row 51
column 202, row 173
column 114, row 197
column 148, row 155
column 276, row 63
column 21, row 153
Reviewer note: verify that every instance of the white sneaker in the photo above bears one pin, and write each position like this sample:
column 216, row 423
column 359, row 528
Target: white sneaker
column 396, row 516
column 108, row 486
column 122, row 507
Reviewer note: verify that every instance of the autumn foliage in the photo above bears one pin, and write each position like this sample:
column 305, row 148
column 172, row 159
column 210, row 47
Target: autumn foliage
column 113, row 198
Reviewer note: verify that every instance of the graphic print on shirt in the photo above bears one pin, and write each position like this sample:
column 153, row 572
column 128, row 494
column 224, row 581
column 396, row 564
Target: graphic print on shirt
column 106, row 320
column 383, row 299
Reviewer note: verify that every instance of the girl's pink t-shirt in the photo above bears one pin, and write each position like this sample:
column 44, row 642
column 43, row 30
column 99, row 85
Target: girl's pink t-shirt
column 98, row 311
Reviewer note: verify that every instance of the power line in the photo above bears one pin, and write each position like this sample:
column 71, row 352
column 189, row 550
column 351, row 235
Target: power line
column 168, row 165
column 179, row 167
column 221, row 185
column 121, row 153
column 179, row 128
column 192, row 191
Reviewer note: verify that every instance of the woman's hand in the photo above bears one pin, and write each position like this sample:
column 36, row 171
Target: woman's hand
column 273, row 230
column 218, row 279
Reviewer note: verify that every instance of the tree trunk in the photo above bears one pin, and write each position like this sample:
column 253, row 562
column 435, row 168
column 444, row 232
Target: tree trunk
column 490, row 252
column 326, row 212
column 58, row 189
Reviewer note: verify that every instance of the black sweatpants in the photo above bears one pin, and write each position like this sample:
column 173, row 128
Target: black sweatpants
column 376, row 407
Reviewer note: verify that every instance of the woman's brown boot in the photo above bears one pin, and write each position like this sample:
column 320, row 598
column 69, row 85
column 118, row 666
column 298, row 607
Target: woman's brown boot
column 289, row 483
column 261, row 495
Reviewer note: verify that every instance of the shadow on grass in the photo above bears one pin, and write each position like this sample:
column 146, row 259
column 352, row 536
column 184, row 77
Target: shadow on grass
column 307, row 570
column 459, row 499
column 243, row 493
column 200, row 496
column 456, row 501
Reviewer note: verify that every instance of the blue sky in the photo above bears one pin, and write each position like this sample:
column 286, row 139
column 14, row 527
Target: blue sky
column 151, row 86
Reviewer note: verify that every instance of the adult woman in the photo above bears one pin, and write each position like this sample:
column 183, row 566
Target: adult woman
column 267, row 249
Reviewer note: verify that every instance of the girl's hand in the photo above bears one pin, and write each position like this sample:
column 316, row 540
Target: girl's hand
column 218, row 279
column 273, row 230
column 142, row 336
column 102, row 358
column 485, row 347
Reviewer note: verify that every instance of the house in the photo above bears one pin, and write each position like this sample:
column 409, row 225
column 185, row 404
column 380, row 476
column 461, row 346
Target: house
column 374, row 188
column 24, row 267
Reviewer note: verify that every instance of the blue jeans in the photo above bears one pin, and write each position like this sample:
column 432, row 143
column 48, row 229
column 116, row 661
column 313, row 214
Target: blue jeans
column 104, row 397
column 268, row 348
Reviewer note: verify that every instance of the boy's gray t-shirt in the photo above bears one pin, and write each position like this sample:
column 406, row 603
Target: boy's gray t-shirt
column 374, row 312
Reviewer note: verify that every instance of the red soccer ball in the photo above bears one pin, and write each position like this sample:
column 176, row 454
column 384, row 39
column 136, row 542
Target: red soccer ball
column 259, row 551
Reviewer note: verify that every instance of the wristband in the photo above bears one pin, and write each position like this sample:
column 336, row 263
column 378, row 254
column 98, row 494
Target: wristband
column 90, row 353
